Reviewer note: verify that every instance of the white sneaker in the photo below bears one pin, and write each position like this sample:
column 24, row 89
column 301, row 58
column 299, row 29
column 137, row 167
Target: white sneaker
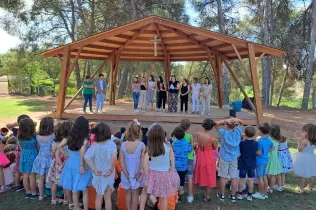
column 257, row 195
column 249, row 197
column 136, row 110
column 202, row 114
column 241, row 196
column 190, row 198
column 277, row 188
column 266, row 196
column 208, row 114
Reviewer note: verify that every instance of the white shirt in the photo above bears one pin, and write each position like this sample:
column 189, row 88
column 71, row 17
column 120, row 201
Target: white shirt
column 196, row 89
column 151, row 85
column 101, row 85
column 9, row 174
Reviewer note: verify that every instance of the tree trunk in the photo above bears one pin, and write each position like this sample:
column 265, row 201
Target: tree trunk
column 314, row 98
column 272, row 88
column 78, row 78
column 266, row 79
column 123, row 83
column 282, row 87
column 311, row 54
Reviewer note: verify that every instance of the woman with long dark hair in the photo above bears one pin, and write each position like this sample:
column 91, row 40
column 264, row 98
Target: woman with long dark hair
column 151, row 91
column 173, row 87
column 184, row 95
column 162, row 95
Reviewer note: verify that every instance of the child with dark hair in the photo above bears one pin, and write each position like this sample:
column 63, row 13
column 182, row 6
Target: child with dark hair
column 285, row 161
column 247, row 162
column 3, row 133
column 14, row 126
column 229, row 153
column 43, row 160
column 181, row 149
column 28, row 143
column 76, row 176
column 265, row 146
column 144, row 136
column 101, row 159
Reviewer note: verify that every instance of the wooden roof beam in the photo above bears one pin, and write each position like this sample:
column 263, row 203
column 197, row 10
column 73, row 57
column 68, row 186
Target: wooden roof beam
column 205, row 41
column 221, row 46
column 242, row 63
column 74, row 62
column 260, row 57
column 101, row 47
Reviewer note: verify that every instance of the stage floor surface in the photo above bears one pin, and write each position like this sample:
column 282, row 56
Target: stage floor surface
column 123, row 111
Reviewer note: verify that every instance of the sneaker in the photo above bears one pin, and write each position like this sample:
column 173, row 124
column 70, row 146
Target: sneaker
column 232, row 198
column 28, row 196
column 197, row 112
column 249, row 197
column 258, row 196
column 193, row 113
column 299, row 190
column 19, row 188
column 277, row 188
column 202, row 114
column 136, row 110
column 190, row 198
column 91, row 112
column 33, row 197
column 180, row 199
column 40, row 198
column 71, row 206
column 208, row 114
column 266, row 196
column 56, row 201
column 241, row 196
column 220, row 197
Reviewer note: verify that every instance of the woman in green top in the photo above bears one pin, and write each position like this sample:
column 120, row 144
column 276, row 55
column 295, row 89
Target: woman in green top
column 88, row 88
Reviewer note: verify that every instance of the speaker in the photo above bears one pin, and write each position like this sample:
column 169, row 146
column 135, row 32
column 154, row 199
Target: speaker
column 232, row 113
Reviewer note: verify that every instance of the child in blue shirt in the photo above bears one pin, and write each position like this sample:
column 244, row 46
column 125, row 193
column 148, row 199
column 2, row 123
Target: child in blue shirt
column 229, row 153
column 181, row 148
column 265, row 145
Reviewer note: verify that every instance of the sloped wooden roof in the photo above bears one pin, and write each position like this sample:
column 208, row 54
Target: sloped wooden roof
column 134, row 42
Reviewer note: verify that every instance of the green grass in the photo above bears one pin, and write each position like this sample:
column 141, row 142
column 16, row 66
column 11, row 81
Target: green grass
column 11, row 108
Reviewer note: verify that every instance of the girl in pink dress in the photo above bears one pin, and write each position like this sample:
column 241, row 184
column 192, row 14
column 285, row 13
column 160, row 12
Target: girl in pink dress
column 205, row 168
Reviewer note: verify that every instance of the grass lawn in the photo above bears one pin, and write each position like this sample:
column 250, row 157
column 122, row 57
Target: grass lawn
column 11, row 108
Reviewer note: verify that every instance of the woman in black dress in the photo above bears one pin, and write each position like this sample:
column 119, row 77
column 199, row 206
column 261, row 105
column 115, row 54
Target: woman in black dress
column 173, row 88
column 162, row 95
column 184, row 95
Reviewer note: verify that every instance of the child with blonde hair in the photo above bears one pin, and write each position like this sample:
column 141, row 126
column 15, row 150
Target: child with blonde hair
column 131, row 158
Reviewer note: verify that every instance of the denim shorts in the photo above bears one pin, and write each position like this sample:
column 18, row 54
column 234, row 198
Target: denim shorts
column 190, row 168
column 261, row 171
column 246, row 172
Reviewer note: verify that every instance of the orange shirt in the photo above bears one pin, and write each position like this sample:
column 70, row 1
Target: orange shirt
column 121, row 197
column 92, row 196
column 117, row 169
column 172, row 202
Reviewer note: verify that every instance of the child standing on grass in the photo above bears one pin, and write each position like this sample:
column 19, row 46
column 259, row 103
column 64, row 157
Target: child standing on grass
column 76, row 176
column 185, row 124
column 305, row 159
column 161, row 180
column 131, row 157
column 205, row 168
column 181, row 148
column 4, row 161
column 274, row 166
column 285, row 161
column 229, row 152
column 101, row 158
column 247, row 162
column 43, row 160
column 28, row 144
column 265, row 146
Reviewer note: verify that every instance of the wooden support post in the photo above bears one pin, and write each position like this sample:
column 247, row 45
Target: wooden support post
column 113, row 74
column 242, row 63
column 63, row 82
column 219, row 68
column 167, row 69
column 239, row 85
column 254, row 75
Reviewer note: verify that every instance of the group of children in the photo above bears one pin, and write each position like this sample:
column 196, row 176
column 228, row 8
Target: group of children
column 89, row 164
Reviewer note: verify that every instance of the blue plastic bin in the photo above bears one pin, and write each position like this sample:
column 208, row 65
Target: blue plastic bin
column 237, row 105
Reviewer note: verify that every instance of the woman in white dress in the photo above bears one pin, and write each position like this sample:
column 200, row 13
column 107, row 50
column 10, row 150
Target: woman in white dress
column 206, row 97
column 151, row 91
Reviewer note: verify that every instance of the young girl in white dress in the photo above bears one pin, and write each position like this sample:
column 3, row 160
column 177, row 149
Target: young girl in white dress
column 304, row 160
column 101, row 158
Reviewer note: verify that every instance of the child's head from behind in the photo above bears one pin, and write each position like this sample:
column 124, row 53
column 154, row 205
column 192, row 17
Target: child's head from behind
column 102, row 132
column 179, row 132
column 12, row 140
column 122, row 130
column 133, row 131
column 26, row 129
column 4, row 140
column 58, row 133
column 156, row 139
column 275, row 132
column 309, row 132
column 250, row 132
column 264, row 129
column 78, row 133
column 208, row 124
column 66, row 127
column 11, row 158
column 144, row 131
column 9, row 148
column 185, row 124
column 4, row 131
column 21, row 117
column 46, row 127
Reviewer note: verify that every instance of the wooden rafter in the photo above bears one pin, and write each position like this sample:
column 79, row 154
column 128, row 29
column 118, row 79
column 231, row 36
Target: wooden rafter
column 71, row 68
column 212, row 65
column 259, row 58
column 242, row 63
column 160, row 37
column 60, row 58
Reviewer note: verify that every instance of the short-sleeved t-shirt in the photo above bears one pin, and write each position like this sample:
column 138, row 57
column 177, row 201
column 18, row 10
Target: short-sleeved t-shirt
column 174, row 85
column 15, row 132
column 230, row 143
column 196, row 89
column 264, row 145
column 87, row 90
column 247, row 159
column 187, row 137
column 181, row 148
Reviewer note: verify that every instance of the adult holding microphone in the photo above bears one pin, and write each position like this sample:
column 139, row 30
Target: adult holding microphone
column 173, row 87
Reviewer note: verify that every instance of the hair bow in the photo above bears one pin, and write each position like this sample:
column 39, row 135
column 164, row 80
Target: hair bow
column 137, row 122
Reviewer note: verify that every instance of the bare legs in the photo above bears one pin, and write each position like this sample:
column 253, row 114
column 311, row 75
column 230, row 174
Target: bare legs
column 222, row 186
column 233, row 186
column 261, row 185
column 107, row 198
column 54, row 190
column 17, row 178
column 2, row 183
column 309, row 183
column 75, row 197
column 41, row 184
column 143, row 199
column 29, row 183
column 190, row 185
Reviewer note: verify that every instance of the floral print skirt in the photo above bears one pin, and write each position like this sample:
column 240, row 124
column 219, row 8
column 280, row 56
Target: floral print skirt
column 172, row 102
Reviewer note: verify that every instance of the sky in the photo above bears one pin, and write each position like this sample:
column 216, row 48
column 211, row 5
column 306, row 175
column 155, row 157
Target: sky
column 7, row 41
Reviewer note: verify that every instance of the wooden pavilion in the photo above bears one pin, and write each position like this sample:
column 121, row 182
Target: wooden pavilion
column 158, row 39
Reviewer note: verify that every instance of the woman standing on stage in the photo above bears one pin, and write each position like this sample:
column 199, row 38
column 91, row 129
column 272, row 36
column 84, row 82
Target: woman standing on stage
column 88, row 89
column 206, row 97
column 184, row 95
column 162, row 95
column 173, row 87
column 151, row 91
column 143, row 94
column 136, row 90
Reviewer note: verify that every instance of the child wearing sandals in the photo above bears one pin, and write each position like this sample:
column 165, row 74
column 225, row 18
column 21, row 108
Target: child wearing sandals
column 101, row 158
column 56, row 167
column 131, row 157
column 161, row 179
